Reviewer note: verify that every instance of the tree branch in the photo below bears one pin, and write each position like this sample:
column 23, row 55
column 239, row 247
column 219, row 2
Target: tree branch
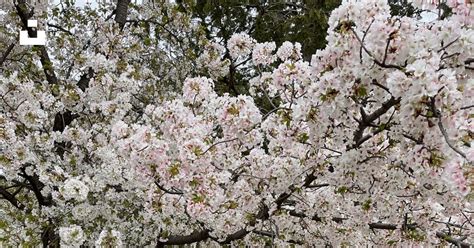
column 383, row 226
column 83, row 82
column 456, row 242
column 235, row 236
column 60, row 28
column 172, row 192
column 11, row 198
column 121, row 12
column 7, row 52
column 196, row 236
column 376, row 61
column 368, row 119
column 437, row 114
column 22, row 11
column 37, row 186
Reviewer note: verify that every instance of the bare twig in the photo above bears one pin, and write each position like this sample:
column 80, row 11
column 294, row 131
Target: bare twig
column 437, row 114
column 449, row 44
column 172, row 191
column 376, row 61
column 59, row 28
column 467, row 107
column 217, row 143
column 363, row 39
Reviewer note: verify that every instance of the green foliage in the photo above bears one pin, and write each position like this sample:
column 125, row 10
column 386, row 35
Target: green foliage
column 344, row 26
column 403, row 8
column 392, row 242
column 416, row 235
column 266, row 21
column 367, row 204
column 4, row 160
column 436, row 159
column 303, row 137
column 342, row 190
column 285, row 117
column 299, row 21
column 198, row 198
column 174, row 169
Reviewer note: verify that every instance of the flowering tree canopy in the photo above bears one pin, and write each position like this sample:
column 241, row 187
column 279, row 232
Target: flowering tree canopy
column 369, row 143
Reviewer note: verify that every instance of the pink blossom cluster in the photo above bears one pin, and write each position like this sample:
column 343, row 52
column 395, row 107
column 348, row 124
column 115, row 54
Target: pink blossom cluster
column 454, row 175
column 240, row 44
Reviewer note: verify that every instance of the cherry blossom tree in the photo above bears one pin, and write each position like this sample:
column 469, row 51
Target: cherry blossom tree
column 369, row 143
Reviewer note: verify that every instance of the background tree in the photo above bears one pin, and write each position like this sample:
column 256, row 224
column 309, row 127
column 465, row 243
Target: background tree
column 275, row 21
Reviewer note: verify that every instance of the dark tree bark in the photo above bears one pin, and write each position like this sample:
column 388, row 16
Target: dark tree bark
column 7, row 52
column 121, row 12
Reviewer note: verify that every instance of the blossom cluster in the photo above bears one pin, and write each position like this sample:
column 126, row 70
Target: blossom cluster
column 240, row 45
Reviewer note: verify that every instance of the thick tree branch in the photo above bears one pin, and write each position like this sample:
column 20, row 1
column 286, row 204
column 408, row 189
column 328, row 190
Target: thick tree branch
column 383, row 226
column 6, row 53
column 321, row 185
column 83, row 82
column 315, row 217
column 22, row 11
column 366, row 120
column 48, row 234
column 235, row 236
column 441, row 235
column 386, row 226
column 36, row 186
column 121, row 12
column 456, row 242
column 11, row 198
column 196, row 236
